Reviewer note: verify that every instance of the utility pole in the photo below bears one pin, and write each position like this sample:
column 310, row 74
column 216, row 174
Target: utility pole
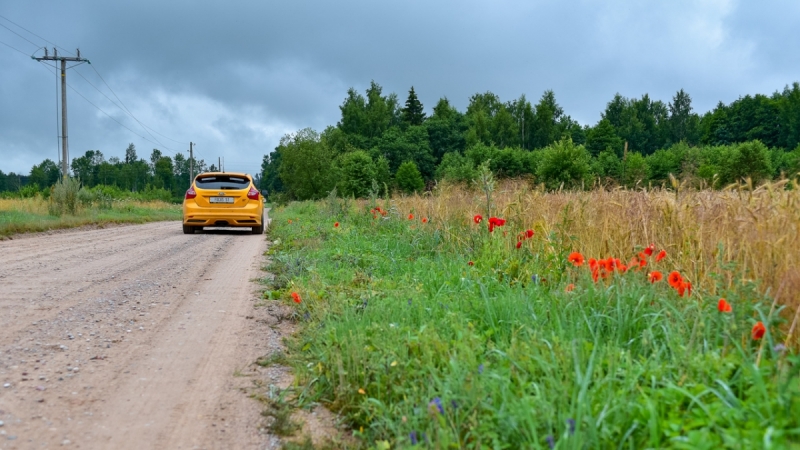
column 219, row 164
column 63, row 59
column 191, row 164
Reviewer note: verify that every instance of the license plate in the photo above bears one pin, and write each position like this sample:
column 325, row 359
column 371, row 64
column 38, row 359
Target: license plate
column 221, row 200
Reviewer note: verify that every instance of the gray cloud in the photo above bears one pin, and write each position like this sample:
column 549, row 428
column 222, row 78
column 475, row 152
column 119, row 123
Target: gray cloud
column 236, row 76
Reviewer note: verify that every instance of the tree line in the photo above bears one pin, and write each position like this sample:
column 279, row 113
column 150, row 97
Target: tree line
column 379, row 141
column 130, row 173
column 636, row 142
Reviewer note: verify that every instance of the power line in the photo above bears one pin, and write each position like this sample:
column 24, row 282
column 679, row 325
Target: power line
column 23, row 37
column 123, row 107
column 31, row 32
column 109, row 115
column 123, row 104
column 125, row 110
column 14, row 48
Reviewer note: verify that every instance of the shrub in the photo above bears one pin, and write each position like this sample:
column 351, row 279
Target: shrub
column 508, row 163
column 564, row 163
column 408, row 178
column 750, row 160
column 357, row 171
column 634, row 170
column 456, row 167
column 607, row 165
column 64, row 197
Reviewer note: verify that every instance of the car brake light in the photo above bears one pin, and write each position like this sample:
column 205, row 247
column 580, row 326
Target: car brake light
column 252, row 194
column 190, row 194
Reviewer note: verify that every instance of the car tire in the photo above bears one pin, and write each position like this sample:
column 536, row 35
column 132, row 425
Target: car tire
column 188, row 230
column 259, row 229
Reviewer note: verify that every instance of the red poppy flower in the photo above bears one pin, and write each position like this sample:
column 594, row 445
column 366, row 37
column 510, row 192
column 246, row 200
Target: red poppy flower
column 529, row 233
column 595, row 274
column 593, row 263
column 410, row 217
column 724, row 306
column 336, row 225
column 478, row 218
column 655, row 276
column 296, row 297
column 675, row 279
column 470, row 263
column 424, row 220
column 570, row 287
column 684, row 288
column 642, row 262
column 758, row 331
column 607, row 264
column 661, row 255
column 649, row 250
column 576, row 259
column 495, row 222
column 519, row 244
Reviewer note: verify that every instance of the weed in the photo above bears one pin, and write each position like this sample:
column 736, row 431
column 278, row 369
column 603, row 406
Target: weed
column 278, row 410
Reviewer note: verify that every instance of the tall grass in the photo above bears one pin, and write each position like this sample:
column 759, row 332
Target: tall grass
column 757, row 229
column 414, row 346
column 24, row 215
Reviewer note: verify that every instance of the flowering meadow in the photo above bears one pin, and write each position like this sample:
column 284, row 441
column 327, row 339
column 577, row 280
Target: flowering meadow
column 514, row 318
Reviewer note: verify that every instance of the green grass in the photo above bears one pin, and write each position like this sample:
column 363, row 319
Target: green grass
column 26, row 218
column 408, row 342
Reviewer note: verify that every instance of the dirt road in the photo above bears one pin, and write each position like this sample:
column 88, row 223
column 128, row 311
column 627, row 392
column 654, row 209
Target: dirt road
column 131, row 337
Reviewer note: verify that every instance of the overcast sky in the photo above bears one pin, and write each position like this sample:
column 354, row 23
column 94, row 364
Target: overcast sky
column 235, row 76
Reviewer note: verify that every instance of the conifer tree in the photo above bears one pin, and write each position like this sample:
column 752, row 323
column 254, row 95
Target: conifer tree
column 413, row 112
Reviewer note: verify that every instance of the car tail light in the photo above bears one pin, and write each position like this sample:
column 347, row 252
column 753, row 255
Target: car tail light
column 252, row 194
column 190, row 194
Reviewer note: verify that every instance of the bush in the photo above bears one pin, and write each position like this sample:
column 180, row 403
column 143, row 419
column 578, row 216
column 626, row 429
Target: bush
column 634, row 170
column 607, row 165
column 564, row 163
column 357, row 171
column 750, row 160
column 64, row 197
column 408, row 178
column 457, row 168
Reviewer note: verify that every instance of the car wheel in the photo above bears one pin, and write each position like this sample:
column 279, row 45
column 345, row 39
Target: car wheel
column 188, row 230
column 259, row 229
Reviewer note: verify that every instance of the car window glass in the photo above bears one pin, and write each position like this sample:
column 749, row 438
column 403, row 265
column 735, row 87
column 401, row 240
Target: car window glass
column 222, row 182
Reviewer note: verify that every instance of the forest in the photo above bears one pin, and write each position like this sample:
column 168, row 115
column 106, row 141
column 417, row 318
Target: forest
column 637, row 142
column 381, row 141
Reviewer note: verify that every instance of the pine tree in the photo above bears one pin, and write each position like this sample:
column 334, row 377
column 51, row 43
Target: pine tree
column 413, row 112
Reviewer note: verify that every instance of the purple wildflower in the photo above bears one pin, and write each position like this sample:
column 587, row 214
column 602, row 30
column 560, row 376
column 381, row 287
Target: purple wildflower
column 535, row 278
column 480, row 369
column 550, row 441
column 413, row 437
column 780, row 348
column 454, row 404
column 409, row 302
column 438, row 403
column 571, row 423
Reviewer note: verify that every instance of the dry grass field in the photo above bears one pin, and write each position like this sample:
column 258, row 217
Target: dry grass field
column 740, row 234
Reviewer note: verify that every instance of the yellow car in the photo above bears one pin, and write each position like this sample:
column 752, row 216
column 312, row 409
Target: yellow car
column 217, row 199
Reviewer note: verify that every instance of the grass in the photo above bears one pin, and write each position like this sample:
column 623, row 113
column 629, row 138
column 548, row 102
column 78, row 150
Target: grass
column 411, row 344
column 25, row 215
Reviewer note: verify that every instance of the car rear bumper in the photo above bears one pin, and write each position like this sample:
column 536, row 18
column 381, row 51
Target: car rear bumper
column 244, row 217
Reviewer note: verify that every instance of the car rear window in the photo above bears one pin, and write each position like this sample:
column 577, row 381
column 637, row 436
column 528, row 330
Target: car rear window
column 222, row 182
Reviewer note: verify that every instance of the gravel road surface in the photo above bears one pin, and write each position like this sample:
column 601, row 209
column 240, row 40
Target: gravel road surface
column 132, row 337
